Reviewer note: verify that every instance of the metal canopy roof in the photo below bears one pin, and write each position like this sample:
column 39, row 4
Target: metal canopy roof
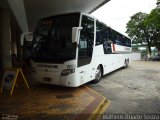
column 28, row 12
column 37, row 9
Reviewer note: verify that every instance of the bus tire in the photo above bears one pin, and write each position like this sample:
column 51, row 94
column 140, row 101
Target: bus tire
column 125, row 64
column 98, row 74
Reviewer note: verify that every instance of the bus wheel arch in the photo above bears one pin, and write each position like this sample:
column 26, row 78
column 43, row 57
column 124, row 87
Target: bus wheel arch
column 101, row 66
column 98, row 73
column 128, row 60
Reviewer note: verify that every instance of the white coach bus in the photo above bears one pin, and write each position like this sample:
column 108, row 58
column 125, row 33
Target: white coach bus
column 73, row 49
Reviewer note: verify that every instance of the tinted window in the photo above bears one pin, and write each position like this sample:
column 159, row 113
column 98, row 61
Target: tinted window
column 120, row 39
column 103, row 36
column 116, row 37
column 100, row 33
column 86, row 41
column 127, row 42
column 52, row 39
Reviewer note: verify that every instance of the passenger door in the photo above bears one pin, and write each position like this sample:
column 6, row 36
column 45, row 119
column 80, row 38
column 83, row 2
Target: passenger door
column 85, row 51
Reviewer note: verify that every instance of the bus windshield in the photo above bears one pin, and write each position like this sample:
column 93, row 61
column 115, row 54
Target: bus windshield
column 52, row 40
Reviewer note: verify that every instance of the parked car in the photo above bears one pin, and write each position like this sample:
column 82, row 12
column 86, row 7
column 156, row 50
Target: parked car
column 156, row 58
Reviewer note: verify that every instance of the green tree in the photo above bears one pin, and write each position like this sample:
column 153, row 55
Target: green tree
column 153, row 23
column 139, row 31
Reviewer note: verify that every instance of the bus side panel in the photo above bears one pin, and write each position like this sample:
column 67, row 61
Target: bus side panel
column 110, row 62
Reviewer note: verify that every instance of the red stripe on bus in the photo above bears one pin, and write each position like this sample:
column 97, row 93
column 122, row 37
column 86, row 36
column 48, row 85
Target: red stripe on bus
column 113, row 47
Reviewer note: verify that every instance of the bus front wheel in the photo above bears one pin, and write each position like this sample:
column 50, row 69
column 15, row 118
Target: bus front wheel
column 98, row 74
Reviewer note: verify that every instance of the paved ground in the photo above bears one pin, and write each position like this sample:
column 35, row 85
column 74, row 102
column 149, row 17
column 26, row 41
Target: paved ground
column 52, row 103
column 134, row 90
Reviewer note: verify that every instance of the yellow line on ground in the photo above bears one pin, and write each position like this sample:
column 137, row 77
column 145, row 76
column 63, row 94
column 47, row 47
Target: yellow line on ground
column 100, row 111
column 96, row 114
column 104, row 107
column 95, row 91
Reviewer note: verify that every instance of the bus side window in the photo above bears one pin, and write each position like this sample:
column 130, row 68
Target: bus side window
column 98, row 33
column 127, row 42
column 117, row 38
column 106, row 42
column 109, row 33
column 103, row 36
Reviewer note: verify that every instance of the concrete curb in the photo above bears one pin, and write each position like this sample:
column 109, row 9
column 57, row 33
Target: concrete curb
column 102, row 107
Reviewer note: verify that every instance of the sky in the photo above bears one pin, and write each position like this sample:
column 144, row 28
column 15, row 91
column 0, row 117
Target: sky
column 117, row 13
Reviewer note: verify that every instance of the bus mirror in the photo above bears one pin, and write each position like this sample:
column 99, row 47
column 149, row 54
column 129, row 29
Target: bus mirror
column 28, row 36
column 75, row 32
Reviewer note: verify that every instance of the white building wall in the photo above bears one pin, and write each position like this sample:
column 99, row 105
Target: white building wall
column 135, row 56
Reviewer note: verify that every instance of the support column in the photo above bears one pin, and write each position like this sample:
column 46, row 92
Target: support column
column 5, row 38
column 0, row 47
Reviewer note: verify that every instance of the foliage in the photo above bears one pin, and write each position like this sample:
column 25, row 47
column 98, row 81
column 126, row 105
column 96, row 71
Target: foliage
column 135, row 27
column 153, row 21
column 139, row 31
column 144, row 28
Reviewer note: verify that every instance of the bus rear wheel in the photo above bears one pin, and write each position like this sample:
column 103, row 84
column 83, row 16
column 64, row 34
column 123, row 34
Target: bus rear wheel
column 125, row 64
column 98, row 74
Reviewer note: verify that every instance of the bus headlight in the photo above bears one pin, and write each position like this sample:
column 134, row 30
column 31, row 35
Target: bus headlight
column 67, row 71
